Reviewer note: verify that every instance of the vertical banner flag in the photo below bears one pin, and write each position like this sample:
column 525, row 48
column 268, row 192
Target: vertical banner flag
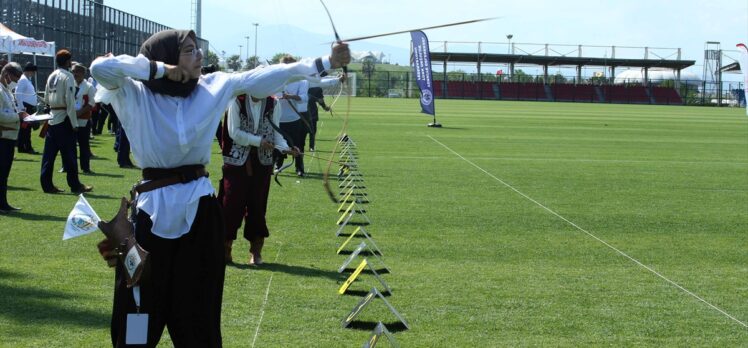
column 744, row 69
column 82, row 220
column 422, row 68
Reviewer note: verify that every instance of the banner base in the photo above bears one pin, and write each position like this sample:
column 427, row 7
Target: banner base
column 435, row 125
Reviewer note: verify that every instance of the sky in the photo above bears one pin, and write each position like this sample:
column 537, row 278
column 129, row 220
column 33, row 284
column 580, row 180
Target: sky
column 301, row 27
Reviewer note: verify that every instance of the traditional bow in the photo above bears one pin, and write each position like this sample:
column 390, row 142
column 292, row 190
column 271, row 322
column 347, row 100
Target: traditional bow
column 326, row 174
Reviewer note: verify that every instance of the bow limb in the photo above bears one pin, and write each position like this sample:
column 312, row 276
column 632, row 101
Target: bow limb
column 326, row 174
column 340, row 92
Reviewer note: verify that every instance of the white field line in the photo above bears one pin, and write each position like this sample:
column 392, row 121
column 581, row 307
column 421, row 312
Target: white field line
column 593, row 236
column 539, row 159
column 265, row 301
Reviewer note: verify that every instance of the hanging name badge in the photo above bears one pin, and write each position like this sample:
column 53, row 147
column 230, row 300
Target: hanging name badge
column 137, row 328
column 137, row 323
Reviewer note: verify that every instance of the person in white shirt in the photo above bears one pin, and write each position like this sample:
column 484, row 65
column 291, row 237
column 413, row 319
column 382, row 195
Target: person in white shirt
column 84, row 103
column 59, row 94
column 10, row 122
column 295, row 118
column 171, row 113
column 248, row 139
column 26, row 100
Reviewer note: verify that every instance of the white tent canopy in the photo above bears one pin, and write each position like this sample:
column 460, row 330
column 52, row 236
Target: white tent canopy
column 15, row 43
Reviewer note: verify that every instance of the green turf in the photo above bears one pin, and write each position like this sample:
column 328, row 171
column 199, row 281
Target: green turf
column 474, row 263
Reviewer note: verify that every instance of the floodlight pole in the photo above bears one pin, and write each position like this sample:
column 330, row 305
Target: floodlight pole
column 247, row 37
column 509, row 51
column 257, row 59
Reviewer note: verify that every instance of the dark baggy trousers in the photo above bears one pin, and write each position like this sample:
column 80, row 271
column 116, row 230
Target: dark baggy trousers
column 60, row 138
column 183, row 287
column 245, row 198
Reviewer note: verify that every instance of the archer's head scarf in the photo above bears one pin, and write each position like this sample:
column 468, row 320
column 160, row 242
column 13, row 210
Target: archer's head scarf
column 166, row 46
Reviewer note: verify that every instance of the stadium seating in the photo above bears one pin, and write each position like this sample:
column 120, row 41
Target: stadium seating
column 522, row 91
column 633, row 94
column 626, row 94
column 575, row 93
column 666, row 95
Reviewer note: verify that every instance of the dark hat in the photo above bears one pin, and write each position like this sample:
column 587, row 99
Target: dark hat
column 30, row 67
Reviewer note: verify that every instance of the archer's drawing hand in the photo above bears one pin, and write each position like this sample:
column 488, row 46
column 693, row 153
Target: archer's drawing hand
column 340, row 55
column 176, row 73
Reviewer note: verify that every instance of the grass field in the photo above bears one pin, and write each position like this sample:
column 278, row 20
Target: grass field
column 518, row 224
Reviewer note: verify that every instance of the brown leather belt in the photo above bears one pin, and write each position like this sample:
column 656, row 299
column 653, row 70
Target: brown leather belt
column 59, row 108
column 162, row 177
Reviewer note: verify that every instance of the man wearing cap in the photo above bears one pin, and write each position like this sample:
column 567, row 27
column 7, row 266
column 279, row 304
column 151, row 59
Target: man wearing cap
column 26, row 101
column 61, row 135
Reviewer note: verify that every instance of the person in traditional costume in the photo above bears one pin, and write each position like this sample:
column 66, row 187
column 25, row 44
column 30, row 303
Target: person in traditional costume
column 170, row 113
column 249, row 136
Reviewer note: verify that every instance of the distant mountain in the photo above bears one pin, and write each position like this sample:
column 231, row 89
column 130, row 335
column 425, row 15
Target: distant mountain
column 274, row 39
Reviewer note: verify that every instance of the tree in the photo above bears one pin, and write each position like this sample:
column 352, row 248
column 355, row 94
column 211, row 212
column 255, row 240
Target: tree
column 558, row 78
column 521, row 76
column 234, row 62
column 368, row 69
column 277, row 57
column 251, row 62
column 456, row 75
column 211, row 58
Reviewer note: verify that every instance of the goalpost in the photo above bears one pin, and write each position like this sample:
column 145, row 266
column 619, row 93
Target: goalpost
column 348, row 89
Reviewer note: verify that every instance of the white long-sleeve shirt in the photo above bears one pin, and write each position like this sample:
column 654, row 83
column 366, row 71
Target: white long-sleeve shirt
column 88, row 90
column 25, row 93
column 252, row 139
column 169, row 132
column 301, row 88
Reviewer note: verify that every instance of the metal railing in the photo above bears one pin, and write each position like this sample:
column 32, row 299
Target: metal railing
column 382, row 84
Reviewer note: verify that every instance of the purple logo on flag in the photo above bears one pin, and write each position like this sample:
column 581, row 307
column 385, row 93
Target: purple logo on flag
column 422, row 68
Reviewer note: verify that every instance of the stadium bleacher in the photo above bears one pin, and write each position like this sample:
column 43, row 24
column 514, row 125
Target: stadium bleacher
column 532, row 91
column 666, row 95
column 574, row 93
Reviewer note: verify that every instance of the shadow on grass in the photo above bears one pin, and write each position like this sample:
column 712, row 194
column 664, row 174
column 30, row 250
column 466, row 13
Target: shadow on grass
column 367, row 271
column 362, row 253
column 362, row 293
column 369, row 326
column 106, row 175
column 290, row 269
column 307, row 175
column 343, row 234
column 37, row 306
column 22, row 214
column 454, row 128
column 14, row 188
